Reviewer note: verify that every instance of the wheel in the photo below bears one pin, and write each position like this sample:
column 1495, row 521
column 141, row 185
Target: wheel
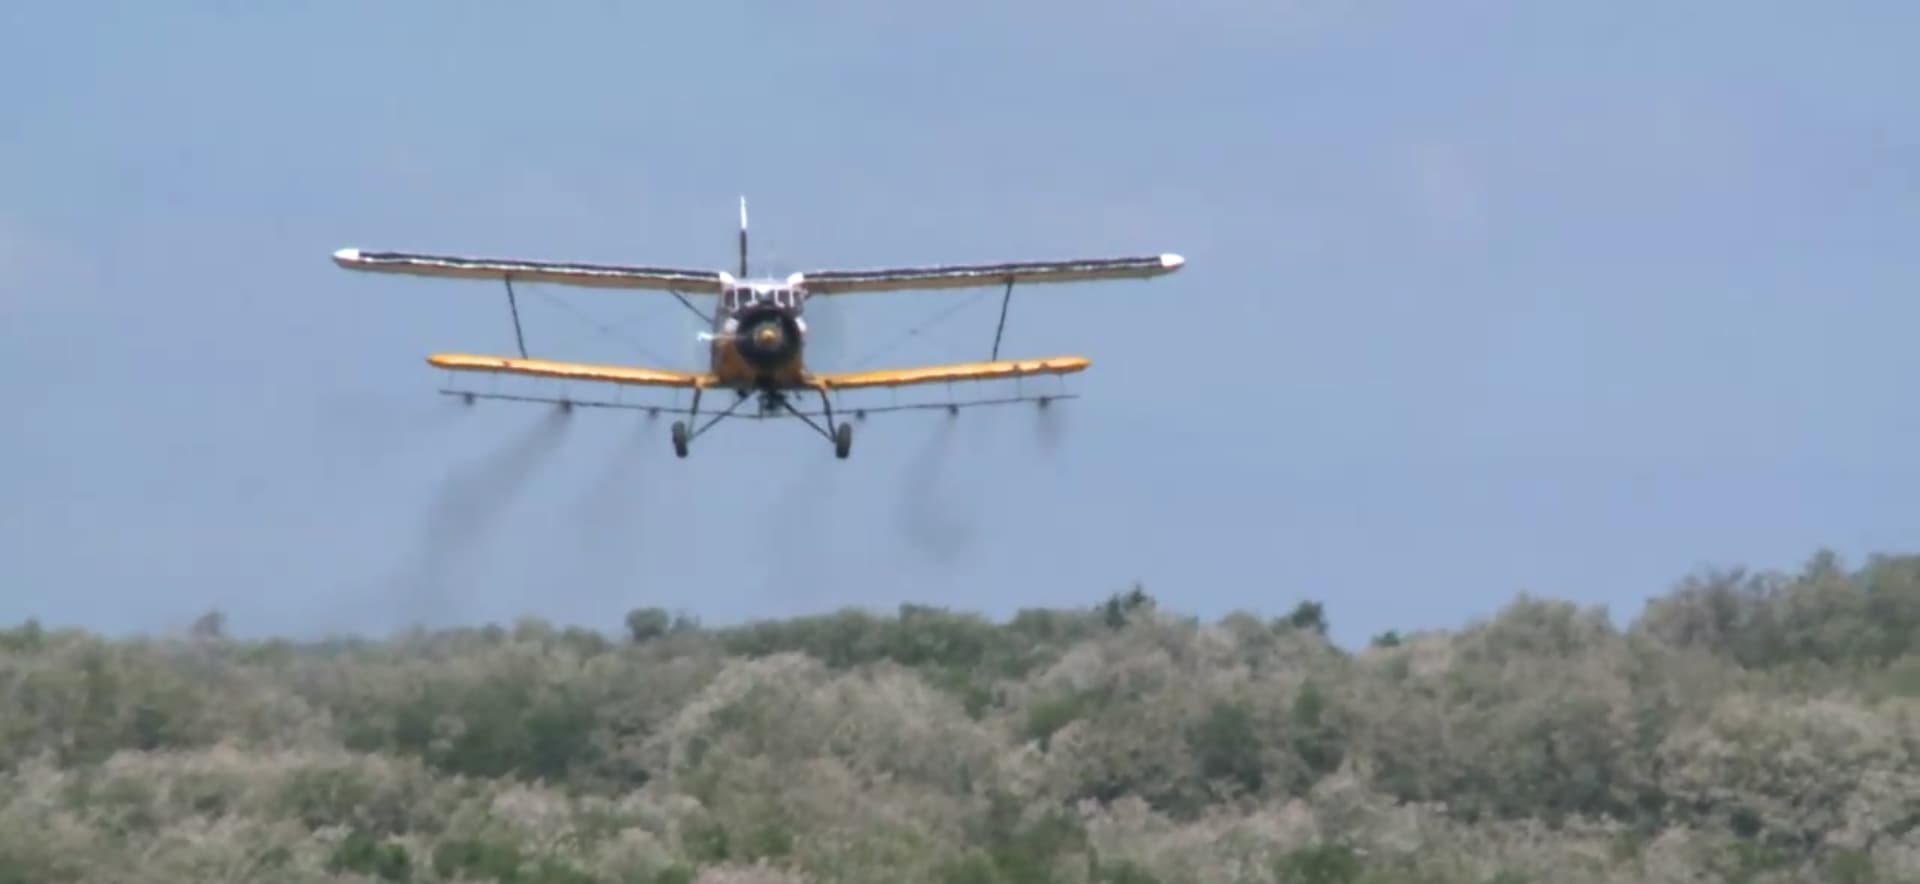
column 680, row 438
column 842, row 441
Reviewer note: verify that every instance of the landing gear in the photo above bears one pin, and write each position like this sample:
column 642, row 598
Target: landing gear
column 840, row 433
column 683, row 436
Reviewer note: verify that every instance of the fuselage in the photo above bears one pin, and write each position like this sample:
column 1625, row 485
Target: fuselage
column 759, row 335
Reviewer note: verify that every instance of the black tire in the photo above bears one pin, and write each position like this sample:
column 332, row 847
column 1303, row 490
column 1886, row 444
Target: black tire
column 842, row 441
column 680, row 438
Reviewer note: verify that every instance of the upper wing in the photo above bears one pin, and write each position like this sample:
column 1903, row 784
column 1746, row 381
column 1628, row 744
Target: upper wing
column 596, row 275
column 619, row 374
column 966, row 371
column 834, row 282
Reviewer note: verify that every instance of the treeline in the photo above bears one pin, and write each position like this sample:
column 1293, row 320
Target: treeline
column 1745, row 727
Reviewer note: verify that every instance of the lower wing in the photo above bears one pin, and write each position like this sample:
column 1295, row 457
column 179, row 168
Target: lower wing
column 618, row 374
column 966, row 371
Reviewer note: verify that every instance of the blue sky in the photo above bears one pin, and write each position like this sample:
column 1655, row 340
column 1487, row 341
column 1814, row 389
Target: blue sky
column 1482, row 297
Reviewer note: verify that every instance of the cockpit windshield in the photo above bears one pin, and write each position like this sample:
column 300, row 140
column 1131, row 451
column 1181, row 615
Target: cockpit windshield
column 745, row 297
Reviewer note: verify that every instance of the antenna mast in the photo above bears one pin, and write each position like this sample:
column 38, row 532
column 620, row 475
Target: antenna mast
column 743, row 237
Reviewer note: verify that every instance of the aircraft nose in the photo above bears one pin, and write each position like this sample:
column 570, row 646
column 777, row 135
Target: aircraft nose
column 767, row 336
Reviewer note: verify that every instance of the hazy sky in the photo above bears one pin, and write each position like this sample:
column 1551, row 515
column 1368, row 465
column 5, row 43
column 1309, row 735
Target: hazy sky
column 1482, row 297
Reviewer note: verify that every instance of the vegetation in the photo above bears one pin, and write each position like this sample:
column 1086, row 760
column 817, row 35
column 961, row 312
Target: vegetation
column 1759, row 727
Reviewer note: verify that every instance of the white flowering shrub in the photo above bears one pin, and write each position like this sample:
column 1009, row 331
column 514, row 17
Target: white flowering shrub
column 1745, row 727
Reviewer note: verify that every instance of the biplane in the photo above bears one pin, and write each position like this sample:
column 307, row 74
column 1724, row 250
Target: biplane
column 758, row 331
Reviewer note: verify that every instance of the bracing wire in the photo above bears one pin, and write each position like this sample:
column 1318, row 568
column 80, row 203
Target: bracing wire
column 603, row 328
column 936, row 319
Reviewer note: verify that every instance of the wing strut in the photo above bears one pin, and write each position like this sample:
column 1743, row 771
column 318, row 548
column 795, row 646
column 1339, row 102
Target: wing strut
column 997, row 332
column 513, row 305
column 708, row 319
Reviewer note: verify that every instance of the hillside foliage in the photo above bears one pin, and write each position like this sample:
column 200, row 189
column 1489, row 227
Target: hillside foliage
column 1744, row 727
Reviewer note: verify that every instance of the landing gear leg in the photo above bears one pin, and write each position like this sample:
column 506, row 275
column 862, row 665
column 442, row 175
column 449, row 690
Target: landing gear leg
column 842, row 433
column 680, row 435
column 683, row 437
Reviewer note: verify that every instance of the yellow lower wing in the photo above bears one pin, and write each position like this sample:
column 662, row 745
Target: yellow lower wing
column 619, row 374
column 966, row 371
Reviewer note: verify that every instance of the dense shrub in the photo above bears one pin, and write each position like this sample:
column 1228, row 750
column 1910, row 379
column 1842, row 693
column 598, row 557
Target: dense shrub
column 1758, row 727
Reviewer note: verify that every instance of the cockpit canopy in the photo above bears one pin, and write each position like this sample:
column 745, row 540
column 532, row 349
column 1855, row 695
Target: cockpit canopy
column 749, row 295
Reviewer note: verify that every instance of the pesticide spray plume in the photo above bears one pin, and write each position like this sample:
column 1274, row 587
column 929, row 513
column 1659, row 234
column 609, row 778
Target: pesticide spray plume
column 608, row 513
column 799, row 560
column 468, row 503
column 932, row 521
column 1050, row 426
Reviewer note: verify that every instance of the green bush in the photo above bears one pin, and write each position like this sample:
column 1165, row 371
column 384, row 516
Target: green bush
column 1744, row 727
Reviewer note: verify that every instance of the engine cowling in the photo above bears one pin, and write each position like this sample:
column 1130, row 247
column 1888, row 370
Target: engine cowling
column 768, row 340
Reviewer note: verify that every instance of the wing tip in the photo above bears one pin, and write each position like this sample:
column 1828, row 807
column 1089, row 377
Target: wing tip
column 467, row 360
column 347, row 257
column 1172, row 261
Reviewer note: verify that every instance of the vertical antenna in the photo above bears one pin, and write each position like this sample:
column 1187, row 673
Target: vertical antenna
column 743, row 237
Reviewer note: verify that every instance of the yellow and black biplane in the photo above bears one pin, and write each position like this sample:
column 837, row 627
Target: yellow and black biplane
column 758, row 332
